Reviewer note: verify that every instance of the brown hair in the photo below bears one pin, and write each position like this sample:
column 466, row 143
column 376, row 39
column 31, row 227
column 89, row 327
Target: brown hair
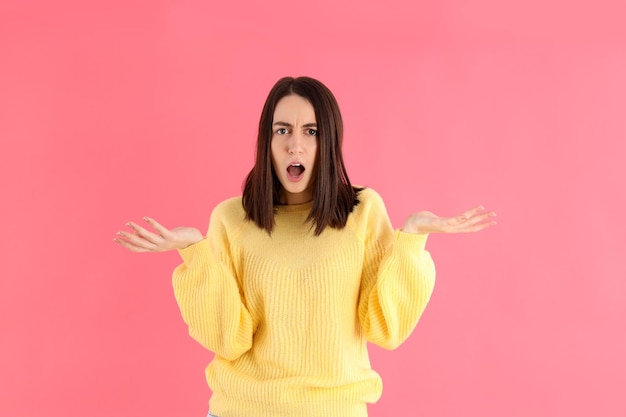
column 334, row 197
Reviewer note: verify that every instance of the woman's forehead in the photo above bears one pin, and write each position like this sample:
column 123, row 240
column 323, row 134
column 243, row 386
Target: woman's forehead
column 294, row 108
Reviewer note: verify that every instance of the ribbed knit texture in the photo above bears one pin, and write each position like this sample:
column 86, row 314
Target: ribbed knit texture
column 289, row 315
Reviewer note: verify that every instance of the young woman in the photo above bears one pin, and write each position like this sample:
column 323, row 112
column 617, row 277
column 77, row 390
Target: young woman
column 297, row 275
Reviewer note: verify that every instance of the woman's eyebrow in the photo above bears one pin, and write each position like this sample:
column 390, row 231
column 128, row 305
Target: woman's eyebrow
column 279, row 123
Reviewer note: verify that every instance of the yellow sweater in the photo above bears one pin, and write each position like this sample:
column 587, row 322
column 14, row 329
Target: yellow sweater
column 289, row 315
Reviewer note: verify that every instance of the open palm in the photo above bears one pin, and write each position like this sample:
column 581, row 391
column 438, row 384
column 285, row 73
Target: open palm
column 472, row 220
column 159, row 240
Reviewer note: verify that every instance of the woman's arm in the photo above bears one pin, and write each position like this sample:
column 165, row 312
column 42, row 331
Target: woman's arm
column 398, row 273
column 205, row 285
column 211, row 302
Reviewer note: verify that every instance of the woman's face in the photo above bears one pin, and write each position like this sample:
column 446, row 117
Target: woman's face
column 294, row 148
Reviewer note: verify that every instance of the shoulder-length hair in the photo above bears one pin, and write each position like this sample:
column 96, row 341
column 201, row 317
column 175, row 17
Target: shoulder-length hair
column 334, row 197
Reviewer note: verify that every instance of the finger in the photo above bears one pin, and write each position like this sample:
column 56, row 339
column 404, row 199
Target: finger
column 463, row 217
column 478, row 222
column 137, row 241
column 471, row 213
column 144, row 233
column 129, row 245
column 163, row 231
column 478, row 227
column 478, row 218
column 454, row 225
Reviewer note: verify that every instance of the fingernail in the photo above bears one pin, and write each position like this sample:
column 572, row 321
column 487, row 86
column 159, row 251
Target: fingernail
column 146, row 219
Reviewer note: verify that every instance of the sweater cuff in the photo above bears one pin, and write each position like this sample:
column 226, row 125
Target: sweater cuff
column 196, row 251
column 411, row 241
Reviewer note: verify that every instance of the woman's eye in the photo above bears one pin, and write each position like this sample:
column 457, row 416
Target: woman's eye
column 281, row 131
column 312, row 132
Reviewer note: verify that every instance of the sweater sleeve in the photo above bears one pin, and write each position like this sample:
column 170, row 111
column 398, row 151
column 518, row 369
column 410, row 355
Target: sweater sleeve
column 209, row 296
column 397, row 281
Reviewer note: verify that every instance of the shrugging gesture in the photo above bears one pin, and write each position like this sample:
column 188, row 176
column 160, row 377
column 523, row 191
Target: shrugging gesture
column 472, row 220
column 299, row 273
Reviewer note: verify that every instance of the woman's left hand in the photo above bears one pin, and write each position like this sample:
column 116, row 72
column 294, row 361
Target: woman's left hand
column 470, row 221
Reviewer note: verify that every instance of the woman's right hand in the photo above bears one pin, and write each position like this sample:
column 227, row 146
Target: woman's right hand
column 143, row 240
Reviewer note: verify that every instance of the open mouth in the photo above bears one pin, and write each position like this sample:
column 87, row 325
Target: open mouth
column 295, row 170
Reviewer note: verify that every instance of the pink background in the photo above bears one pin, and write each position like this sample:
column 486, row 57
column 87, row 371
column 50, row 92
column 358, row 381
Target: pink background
column 114, row 110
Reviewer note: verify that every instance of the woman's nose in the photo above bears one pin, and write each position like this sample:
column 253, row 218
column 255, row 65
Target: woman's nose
column 295, row 143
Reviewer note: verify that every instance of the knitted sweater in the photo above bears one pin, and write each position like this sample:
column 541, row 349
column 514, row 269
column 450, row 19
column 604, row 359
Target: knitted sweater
column 289, row 315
